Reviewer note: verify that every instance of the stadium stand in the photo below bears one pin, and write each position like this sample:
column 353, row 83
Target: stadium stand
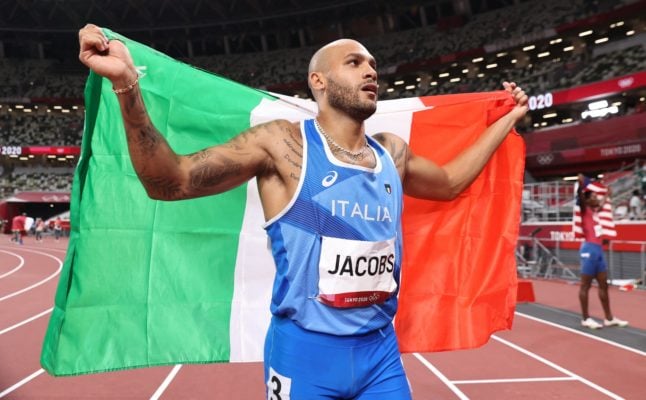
column 19, row 128
column 416, row 43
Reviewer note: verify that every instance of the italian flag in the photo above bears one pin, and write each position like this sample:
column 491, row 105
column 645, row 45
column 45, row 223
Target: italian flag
column 149, row 282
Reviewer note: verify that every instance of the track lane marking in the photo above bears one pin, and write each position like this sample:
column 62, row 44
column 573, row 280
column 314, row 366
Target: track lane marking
column 28, row 320
column 21, row 383
column 60, row 266
column 515, row 380
column 22, row 262
column 558, row 368
column 169, row 378
column 565, row 328
column 441, row 376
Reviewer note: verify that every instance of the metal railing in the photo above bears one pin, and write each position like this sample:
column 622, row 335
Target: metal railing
column 535, row 259
column 553, row 201
column 616, row 264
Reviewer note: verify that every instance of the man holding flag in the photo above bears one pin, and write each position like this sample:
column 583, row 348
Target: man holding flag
column 332, row 201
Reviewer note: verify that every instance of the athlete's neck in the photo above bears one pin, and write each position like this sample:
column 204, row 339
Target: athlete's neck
column 345, row 131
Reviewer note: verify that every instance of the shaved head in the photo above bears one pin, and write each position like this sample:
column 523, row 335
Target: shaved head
column 320, row 61
column 323, row 60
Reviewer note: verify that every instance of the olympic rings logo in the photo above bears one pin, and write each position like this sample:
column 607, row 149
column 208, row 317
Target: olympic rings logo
column 545, row 159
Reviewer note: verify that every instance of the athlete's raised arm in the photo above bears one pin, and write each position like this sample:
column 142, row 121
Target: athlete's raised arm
column 422, row 178
column 165, row 174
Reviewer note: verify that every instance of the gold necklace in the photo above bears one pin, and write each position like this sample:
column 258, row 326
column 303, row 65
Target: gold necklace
column 355, row 156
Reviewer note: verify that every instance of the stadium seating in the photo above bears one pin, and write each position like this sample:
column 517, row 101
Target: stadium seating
column 34, row 82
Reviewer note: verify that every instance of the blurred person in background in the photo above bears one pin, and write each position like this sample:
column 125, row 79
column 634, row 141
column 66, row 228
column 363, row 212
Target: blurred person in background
column 635, row 205
column 39, row 229
column 18, row 227
column 58, row 228
column 593, row 263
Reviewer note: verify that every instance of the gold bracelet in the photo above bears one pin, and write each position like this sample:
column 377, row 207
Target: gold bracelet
column 127, row 88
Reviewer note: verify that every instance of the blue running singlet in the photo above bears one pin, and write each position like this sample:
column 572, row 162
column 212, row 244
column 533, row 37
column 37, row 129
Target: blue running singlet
column 337, row 244
column 337, row 249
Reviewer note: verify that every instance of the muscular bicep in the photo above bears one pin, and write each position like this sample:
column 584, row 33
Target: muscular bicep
column 220, row 168
column 426, row 180
column 421, row 178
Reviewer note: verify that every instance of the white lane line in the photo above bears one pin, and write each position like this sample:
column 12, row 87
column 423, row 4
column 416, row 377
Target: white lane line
column 558, row 368
column 441, row 376
column 60, row 266
column 515, row 380
column 28, row 320
column 621, row 346
column 171, row 375
column 22, row 262
column 19, row 384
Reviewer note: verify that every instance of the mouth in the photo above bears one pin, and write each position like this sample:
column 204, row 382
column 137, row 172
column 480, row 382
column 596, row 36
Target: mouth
column 370, row 88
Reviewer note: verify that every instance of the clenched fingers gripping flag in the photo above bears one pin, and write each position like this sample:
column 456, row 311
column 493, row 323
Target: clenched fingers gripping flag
column 151, row 283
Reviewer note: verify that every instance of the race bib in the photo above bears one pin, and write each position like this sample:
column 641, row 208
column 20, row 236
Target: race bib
column 356, row 273
column 278, row 386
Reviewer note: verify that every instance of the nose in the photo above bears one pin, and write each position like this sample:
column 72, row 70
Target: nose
column 370, row 72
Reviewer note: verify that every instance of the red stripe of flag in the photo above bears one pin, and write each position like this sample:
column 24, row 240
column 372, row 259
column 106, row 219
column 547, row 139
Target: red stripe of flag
column 458, row 282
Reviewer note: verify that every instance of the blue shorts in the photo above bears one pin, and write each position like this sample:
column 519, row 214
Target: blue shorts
column 592, row 259
column 305, row 365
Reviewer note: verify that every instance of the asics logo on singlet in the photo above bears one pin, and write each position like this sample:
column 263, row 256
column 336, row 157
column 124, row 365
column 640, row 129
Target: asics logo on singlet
column 329, row 179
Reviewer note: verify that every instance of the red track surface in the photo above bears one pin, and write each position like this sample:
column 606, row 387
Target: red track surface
column 532, row 361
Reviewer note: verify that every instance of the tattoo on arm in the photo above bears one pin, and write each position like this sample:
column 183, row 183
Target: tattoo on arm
column 208, row 172
column 167, row 188
column 140, row 131
column 295, row 155
column 292, row 162
column 398, row 151
column 206, row 176
column 297, row 139
column 148, row 139
column 399, row 154
column 238, row 142
column 293, row 147
column 200, row 156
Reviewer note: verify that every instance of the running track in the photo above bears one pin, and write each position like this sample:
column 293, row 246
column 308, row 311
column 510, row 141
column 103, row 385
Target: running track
column 538, row 359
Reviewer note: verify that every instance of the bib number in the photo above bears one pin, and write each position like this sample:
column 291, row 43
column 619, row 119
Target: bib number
column 356, row 273
column 278, row 386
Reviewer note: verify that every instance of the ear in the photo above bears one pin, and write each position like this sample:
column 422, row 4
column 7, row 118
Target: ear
column 317, row 81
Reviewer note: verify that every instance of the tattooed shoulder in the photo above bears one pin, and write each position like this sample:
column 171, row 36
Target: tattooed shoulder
column 397, row 148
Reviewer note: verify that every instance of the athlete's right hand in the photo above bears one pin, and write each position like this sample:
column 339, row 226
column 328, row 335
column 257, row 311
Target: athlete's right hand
column 108, row 58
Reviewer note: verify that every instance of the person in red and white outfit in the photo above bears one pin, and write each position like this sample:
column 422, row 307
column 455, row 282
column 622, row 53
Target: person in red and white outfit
column 591, row 197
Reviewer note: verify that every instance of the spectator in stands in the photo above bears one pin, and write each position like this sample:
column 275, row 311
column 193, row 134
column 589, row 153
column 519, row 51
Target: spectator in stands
column 18, row 227
column 635, row 205
column 343, row 78
column 593, row 263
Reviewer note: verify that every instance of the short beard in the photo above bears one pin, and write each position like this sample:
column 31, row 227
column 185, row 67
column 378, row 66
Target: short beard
column 345, row 99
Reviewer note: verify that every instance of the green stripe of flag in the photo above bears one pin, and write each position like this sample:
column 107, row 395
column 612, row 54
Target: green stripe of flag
column 148, row 282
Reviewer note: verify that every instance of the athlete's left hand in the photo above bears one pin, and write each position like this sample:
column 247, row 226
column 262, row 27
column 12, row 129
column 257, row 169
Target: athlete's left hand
column 520, row 97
